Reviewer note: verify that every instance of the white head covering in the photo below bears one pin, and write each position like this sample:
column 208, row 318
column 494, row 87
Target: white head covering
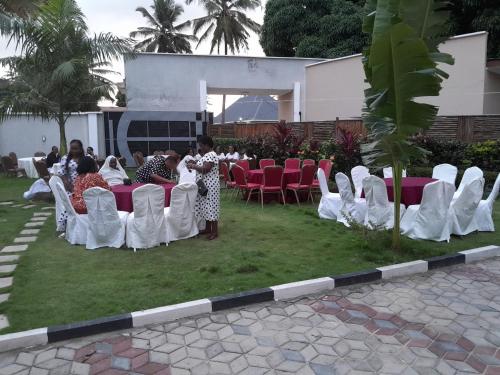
column 112, row 176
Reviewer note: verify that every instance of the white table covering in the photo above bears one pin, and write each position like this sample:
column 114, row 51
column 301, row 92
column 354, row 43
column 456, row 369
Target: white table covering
column 29, row 167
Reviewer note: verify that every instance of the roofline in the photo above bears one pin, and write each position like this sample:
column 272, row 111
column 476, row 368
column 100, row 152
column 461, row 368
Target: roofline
column 232, row 56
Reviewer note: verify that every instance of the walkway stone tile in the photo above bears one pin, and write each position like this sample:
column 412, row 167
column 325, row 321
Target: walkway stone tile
column 6, row 282
column 27, row 232
column 14, row 249
column 9, row 258
column 7, row 268
column 441, row 322
column 25, row 239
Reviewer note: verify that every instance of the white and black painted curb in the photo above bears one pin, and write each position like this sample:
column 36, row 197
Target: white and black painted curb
column 143, row 318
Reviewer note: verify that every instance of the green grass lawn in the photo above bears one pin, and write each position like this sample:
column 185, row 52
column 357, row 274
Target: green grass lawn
column 58, row 283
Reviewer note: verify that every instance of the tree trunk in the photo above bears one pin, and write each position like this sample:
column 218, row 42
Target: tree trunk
column 397, row 176
column 61, row 121
column 223, row 113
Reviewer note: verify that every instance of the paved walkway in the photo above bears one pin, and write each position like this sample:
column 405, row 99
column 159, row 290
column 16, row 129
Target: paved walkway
column 441, row 322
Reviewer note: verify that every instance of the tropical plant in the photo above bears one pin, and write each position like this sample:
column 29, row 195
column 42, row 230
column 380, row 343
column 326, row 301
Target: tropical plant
column 228, row 26
column 162, row 33
column 400, row 64
column 59, row 67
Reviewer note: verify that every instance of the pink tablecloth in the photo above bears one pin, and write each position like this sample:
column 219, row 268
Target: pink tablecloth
column 291, row 176
column 412, row 189
column 123, row 195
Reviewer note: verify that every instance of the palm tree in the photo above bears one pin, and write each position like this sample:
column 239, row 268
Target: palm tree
column 162, row 34
column 228, row 25
column 59, row 68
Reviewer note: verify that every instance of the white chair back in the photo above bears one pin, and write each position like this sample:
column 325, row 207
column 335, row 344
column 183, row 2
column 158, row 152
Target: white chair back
column 388, row 172
column 181, row 214
column 464, row 207
column 445, row 172
column 104, row 222
column 358, row 174
column 323, row 185
column 149, row 218
column 494, row 193
column 470, row 174
column 54, row 180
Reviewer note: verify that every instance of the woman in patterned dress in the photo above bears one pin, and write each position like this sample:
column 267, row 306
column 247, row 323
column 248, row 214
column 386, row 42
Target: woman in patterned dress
column 207, row 169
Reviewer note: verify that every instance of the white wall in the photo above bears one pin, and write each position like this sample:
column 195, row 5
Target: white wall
column 23, row 135
column 336, row 88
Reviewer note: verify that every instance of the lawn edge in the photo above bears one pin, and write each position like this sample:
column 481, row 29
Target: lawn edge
column 137, row 319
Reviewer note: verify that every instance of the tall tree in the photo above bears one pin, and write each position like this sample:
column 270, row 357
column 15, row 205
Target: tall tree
column 162, row 33
column 228, row 26
column 400, row 65
column 60, row 68
column 313, row 28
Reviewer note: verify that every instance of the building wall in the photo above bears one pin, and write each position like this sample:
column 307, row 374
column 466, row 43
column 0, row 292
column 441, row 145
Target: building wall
column 24, row 135
column 335, row 88
column 170, row 82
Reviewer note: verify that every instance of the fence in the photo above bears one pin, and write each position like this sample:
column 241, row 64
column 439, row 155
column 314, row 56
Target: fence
column 459, row 128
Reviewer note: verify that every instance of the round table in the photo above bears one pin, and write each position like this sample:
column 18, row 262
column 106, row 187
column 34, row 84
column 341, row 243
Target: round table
column 28, row 166
column 412, row 189
column 123, row 195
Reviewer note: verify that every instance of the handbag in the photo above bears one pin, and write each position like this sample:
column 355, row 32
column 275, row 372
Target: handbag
column 202, row 188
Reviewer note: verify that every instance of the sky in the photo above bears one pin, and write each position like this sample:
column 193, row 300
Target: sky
column 120, row 17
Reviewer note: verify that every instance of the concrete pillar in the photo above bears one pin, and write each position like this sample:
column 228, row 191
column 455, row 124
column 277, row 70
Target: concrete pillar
column 203, row 95
column 296, row 102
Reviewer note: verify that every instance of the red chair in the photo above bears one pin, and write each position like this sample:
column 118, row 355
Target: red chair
column 243, row 164
column 326, row 165
column 273, row 182
column 292, row 164
column 305, row 184
column 242, row 185
column 226, row 176
column 308, row 162
column 263, row 163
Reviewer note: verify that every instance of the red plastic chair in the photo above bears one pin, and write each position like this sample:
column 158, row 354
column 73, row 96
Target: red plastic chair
column 226, row 176
column 242, row 185
column 306, row 179
column 273, row 182
column 263, row 163
column 326, row 165
column 292, row 164
column 308, row 162
column 243, row 164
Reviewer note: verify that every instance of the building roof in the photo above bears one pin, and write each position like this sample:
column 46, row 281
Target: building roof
column 251, row 108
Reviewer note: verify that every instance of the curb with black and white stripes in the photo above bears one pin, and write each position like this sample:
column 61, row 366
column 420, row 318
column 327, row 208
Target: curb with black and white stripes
column 43, row 336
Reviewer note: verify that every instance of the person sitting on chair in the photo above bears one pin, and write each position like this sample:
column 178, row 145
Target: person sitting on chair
column 159, row 170
column 87, row 178
column 112, row 171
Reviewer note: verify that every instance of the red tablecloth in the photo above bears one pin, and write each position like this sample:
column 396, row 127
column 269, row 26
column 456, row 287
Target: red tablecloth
column 123, row 195
column 290, row 176
column 412, row 189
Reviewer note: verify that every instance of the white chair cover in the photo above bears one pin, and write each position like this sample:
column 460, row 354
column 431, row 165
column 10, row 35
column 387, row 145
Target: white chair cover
column 358, row 174
column 388, row 172
column 462, row 209
column 76, row 224
column 180, row 219
column 60, row 225
column 445, row 172
column 351, row 209
column 330, row 203
column 470, row 174
column 106, row 224
column 429, row 220
column 484, row 211
column 379, row 211
column 146, row 225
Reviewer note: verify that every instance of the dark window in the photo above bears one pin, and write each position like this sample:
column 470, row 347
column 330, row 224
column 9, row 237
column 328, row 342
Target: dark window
column 137, row 129
column 158, row 128
column 179, row 129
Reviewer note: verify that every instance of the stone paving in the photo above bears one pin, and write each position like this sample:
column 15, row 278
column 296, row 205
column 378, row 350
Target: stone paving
column 440, row 322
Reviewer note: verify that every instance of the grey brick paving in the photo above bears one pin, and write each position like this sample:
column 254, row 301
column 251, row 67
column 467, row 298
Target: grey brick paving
column 442, row 322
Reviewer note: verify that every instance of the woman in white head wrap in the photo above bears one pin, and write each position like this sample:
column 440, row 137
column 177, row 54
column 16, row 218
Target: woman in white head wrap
column 112, row 172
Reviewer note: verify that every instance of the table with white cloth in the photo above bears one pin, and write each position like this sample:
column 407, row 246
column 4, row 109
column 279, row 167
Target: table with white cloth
column 28, row 166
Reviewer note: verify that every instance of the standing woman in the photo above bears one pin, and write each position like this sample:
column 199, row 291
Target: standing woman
column 70, row 163
column 207, row 169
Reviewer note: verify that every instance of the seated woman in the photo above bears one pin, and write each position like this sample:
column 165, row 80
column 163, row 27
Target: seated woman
column 87, row 178
column 112, row 171
column 159, row 170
